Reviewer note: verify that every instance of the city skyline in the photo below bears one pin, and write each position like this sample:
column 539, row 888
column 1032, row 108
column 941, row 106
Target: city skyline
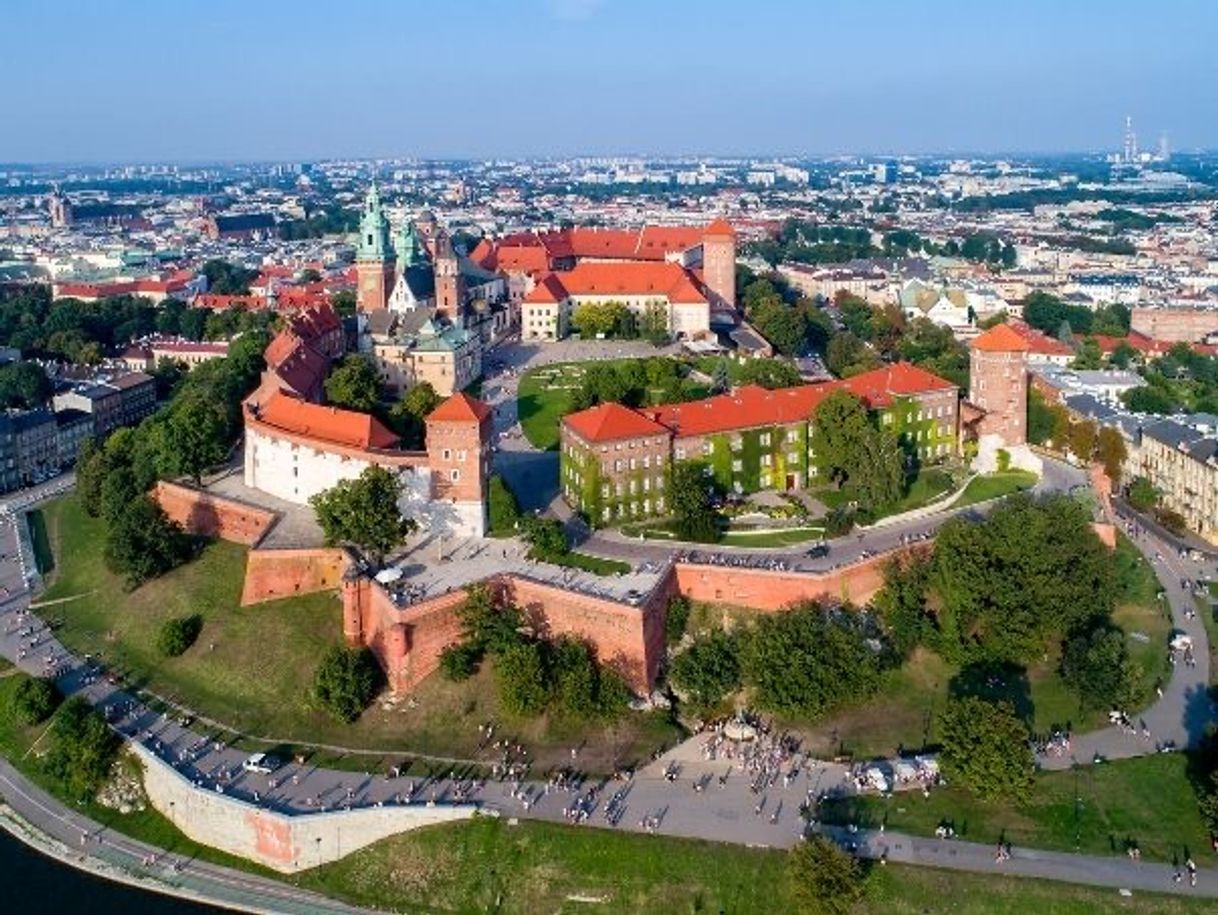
column 603, row 77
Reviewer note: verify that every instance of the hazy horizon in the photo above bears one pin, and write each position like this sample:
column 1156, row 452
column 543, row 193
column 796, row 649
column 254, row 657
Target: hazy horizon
column 225, row 82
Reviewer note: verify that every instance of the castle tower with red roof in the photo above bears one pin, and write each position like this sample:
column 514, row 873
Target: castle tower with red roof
column 719, row 261
column 374, row 257
column 998, row 384
column 459, row 455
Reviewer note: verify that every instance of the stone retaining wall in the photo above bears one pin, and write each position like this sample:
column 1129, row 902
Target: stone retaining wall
column 209, row 515
column 274, row 574
column 283, row 843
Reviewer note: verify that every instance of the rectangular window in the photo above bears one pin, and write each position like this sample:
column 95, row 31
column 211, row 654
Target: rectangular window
column 680, row 454
column 766, row 460
column 765, row 440
column 737, row 466
column 706, row 448
column 454, row 474
column 447, row 454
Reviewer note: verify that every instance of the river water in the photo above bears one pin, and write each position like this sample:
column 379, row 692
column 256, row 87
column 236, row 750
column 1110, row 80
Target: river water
column 38, row 885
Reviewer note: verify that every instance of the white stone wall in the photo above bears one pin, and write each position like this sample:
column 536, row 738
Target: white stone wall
column 284, row 843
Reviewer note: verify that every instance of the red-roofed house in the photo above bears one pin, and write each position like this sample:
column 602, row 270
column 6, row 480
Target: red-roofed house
column 1040, row 348
column 642, row 286
column 614, row 460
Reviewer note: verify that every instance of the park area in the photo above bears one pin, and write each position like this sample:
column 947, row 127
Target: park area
column 252, row 668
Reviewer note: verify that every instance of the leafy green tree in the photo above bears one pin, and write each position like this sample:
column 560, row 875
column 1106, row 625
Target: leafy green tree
column 709, row 669
column 520, row 673
column 345, row 681
column 354, row 384
column 1029, row 572
column 1096, row 665
column 782, row 325
column 1149, row 399
column 572, row 668
column 177, row 635
column 902, row 604
column 1046, row 313
column 142, row 543
column 854, row 453
column 1088, row 355
column 224, row 278
column 808, row 660
column 689, row 497
column 364, row 512
column 985, row 749
column 91, row 471
column 721, row 379
column 23, row 385
column 193, row 437
column 597, row 319
column 824, row 878
column 82, row 749
column 486, row 625
column 1123, row 356
column 771, row 374
column 1111, row 452
column 408, row 416
column 343, row 303
column 847, row 355
column 546, row 538
column 34, row 699
column 460, row 661
column 1083, row 437
column 502, row 508
column 1142, row 494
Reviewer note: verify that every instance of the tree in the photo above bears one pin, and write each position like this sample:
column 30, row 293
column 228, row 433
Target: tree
column 34, row 699
column 343, row 303
column 364, row 512
column 82, row 748
column 770, row 373
column 1040, row 417
column 572, row 669
column 1142, row 494
column 825, row 879
column 709, row 669
column 224, row 278
column 1110, row 450
column 902, row 604
column 1083, row 436
column 546, row 538
column 409, row 415
column 689, row 497
column 460, row 661
column 354, row 384
column 193, row 437
column 521, row 676
column 1096, row 665
column 847, row 355
column 1123, row 356
column 599, row 319
column 142, row 543
column 1088, row 355
column 985, row 748
column 1029, row 572
column 178, row 634
column 856, row 454
column 808, row 660
column 345, row 681
column 1148, row 399
column 23, row 385
column 721, row 379
column 503, row 510
column 782, row 325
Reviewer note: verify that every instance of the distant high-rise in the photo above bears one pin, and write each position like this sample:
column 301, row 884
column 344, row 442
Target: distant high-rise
column 1164, row 149
column 1130, row 153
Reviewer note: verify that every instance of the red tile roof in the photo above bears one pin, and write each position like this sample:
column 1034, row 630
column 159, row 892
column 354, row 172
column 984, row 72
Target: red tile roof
column 751, row 406
column 1040, row 343
column 1001, row 338
column 626, row 278
column 720, row 228
column 324, row 424
column 461, row 408
column 610, row 422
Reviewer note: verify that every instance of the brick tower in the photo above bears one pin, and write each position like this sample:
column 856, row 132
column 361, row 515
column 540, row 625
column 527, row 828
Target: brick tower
column 450, row 285
column 374, row 256
column 998, row 384
column 719, row 261
column 459, row 455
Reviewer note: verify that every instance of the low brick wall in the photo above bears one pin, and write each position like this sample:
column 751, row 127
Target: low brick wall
column 213, row 516
column 766, row 590
column 287, row 844
column 274, row 574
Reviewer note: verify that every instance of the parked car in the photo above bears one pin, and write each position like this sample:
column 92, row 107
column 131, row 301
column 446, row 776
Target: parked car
column 262, row 763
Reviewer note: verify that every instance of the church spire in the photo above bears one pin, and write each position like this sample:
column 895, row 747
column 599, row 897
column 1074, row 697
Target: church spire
column 374, row 242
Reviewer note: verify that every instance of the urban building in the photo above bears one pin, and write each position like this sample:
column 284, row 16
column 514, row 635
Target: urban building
column 614, row 460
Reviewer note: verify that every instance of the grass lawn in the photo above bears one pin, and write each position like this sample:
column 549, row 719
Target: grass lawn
column 487, row 865
column 993, row 485
column 930, row 484
column 1095, row 809
column 44, row 559
column 789, row 537
column 258, row 676
column 543, row 398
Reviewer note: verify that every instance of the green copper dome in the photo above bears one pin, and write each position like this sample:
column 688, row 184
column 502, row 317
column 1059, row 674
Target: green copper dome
column 373, row 230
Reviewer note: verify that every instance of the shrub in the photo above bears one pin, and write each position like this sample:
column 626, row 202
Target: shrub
column 345, row 682
column 178, row 634
column 1004, row 460
column 34, row 699
column 521, row 675
column 676, row 619
column 824, row 878
column 460, row 662
column 838, row 522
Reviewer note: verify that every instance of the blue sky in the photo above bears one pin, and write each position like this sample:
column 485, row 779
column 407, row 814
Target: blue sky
column 101, row 80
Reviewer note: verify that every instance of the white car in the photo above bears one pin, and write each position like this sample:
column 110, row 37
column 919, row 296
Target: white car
column 261, row 763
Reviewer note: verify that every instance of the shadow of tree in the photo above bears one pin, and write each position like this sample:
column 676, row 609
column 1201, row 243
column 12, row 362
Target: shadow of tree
column 995, row 682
